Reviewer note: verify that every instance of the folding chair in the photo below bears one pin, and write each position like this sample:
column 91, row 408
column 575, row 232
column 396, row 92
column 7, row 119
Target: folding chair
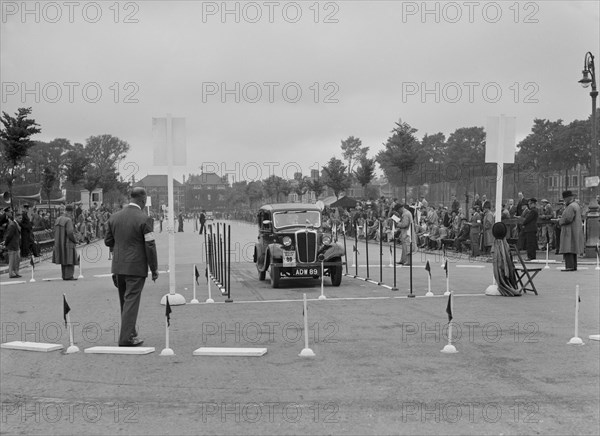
column 525, row 275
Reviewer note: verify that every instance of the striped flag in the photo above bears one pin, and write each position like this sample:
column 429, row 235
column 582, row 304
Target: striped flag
column 66, row 308
column 168, row 313
column 449, row 308
column 446, row 267
column 428, row 268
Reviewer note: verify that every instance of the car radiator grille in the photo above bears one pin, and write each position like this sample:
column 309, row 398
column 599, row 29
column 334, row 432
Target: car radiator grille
column 306, row 245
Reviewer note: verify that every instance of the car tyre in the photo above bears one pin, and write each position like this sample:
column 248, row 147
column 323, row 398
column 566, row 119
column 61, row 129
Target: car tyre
column 262, row 275
column 274, row 273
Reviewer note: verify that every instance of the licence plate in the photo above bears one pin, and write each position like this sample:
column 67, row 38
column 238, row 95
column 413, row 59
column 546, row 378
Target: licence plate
column 307, row 272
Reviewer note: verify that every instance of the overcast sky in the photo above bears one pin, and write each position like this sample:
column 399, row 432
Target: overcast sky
column 359, row 66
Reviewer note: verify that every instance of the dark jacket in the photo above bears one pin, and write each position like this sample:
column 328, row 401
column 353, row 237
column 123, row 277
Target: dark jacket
column 12, row 236
column 129, row 233
column 530, row 221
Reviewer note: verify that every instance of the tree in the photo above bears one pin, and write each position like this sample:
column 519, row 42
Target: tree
column 399, row 157
column 15, row 137
column 336, row 177
column 365, row 172
column 48, row 181
column 254, row 191
column 353, row 152
column 315, row 185
column 76, row 164
column 299, row 186
column 105, row 152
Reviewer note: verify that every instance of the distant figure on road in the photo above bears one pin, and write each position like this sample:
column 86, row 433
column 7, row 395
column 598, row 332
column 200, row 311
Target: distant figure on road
column 180, row 220
column 130, row 233
column 65, row 243
column 202, row 221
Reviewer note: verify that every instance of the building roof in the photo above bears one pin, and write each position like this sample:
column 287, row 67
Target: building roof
column 156, row 180
column 207, row 179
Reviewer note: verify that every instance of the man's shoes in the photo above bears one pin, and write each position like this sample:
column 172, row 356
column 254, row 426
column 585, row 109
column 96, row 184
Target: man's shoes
column 400, row 263
column 135, row 342
column 15, row 277
column 70, row 278
column 568, row 269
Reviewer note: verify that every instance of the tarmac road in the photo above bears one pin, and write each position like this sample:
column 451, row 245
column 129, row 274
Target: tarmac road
column 378, row 367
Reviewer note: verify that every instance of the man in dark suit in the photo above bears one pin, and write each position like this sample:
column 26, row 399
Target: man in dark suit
column 130, row 234
column 530, row 229
column 12, row 241
column 202, row 221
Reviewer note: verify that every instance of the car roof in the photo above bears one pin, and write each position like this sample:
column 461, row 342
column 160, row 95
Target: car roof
column 290, row 206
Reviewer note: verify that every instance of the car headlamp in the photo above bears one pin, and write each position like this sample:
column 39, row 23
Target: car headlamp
column 287, row 241
column 326, row 240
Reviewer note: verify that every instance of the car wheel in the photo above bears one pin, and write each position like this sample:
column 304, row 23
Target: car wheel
column 274, row 273
column 336, row 273
column 262, row 275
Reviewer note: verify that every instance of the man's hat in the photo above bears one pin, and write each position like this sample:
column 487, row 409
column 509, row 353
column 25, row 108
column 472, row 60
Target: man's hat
column 567, row 193
column 533, row 200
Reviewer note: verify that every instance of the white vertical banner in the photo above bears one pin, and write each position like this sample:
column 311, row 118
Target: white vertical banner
column 177, row 141
column 500, row 147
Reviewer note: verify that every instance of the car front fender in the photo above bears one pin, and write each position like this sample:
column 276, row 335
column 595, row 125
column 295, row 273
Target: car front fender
column 334, row 250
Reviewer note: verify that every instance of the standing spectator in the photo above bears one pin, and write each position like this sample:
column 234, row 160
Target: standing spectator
column 180, row 220
column 463, row 235
column 530, row 229
column 455, row 204
column 570, row 231
column 26, row 232
column 475, row 231
column 488, row 222
column 130, row 234
column 559, row 211
column 405, row 225
column 477, row 201
column 547, row 214
column 65, row 252
column 521, row 204
column 202, row 221
column 12, row 241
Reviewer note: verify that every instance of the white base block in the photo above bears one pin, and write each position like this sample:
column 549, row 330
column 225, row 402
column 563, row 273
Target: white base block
column 73, row 349
column 447, row 293
column 119, row 350
column 224, row 351
column 210, row 300
column 594, row 337
column 449, row 349
column 429, row 294
column 31, row 346
column 51, row 279
column 492, row 290
column 194, row 301
column 167, row 351
column 174, row 299
column 322, row 297
column 32, row 281
column 575, row 341
column 307, row 352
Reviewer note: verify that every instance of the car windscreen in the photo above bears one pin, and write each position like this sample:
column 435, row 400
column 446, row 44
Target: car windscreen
column 297, row 218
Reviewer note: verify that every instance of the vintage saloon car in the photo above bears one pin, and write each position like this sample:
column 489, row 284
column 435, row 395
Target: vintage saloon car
column 291, row 243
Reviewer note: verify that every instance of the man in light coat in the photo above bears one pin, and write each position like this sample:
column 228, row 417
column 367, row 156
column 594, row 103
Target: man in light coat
column 570, row 231
column 65, row 243
column 406, row 228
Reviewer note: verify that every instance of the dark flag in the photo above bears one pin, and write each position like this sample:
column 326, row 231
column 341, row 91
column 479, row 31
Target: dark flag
column 355, row 249
column 443, row 250
column 449, row 308
column 168, row 313
column 206, row 273
column 66, row 308
column 428, row 268
column 196, row 273
column 446, row 267
column 31, row 262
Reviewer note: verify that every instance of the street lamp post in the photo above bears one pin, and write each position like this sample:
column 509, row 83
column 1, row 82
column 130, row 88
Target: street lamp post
column 589, row 78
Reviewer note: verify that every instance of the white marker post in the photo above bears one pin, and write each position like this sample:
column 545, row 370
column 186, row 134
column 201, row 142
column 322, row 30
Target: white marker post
column 306, row 352
column 576, row 340
column 449, row 348
column 547, row 248
column 429, row 293
column 447, row 279
column 167, row 351
column 322, row 296
column 80, row 264
column 209, row 299
column 597, row 257
column 32, row 270
column 194, row 300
